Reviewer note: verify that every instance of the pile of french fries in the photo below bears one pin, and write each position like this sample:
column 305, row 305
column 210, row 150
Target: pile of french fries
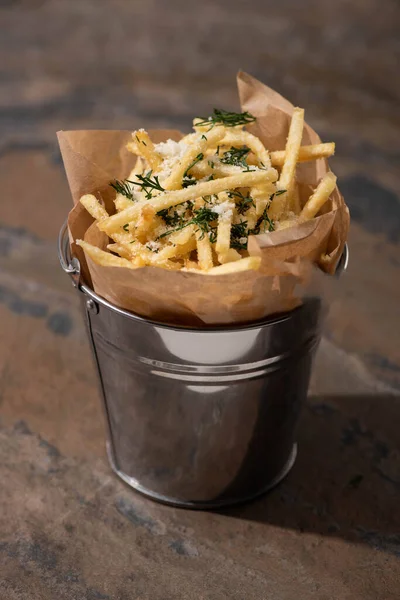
column 192, row 205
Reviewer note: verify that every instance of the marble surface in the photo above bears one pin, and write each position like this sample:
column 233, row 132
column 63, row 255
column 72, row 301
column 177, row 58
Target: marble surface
column 68, row 528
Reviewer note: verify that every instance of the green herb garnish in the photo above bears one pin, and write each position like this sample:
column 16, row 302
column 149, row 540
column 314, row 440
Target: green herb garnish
column 236, row 157
column 239, row 232
column 188, row 180
column 196, row 160
column 123, row 187
column 201, row 218
column 148, row 183
column 244, row 202
column 224, row 117
column 125, row 227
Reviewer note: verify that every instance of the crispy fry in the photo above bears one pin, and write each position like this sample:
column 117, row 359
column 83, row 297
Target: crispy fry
column 197, row 148
column 230, row 255
column 121, row 202
column 319, row 197
column 305, row 153
column 106, row 259
column 244, row 264
column 224, row 230
column 169, row 199
column 204, row 253
column 94, row 208
column 143, row 146
column 286, row 180
column 245, row 138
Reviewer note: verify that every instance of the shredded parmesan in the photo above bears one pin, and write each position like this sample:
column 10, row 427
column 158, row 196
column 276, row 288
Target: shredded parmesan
column 224, row 209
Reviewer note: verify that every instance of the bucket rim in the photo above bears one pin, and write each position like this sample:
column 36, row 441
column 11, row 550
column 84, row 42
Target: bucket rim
column 70, row 265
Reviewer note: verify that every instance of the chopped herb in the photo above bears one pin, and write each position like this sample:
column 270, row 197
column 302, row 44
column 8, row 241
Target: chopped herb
column 188, row 180
column 278, row 193
column 123, row 187
column 244, row 202
column 262, row 222
column 171, row 216
column 144, row 143
column 217, row 150
column 125, row 227
column 147, row 183
column 196, row 160
column 202, row 218
column 239, row 233
column 236, row 157
column 137, row 138
column 224, row 117
column 203, row 137
column 210, row 162
column 210, row 177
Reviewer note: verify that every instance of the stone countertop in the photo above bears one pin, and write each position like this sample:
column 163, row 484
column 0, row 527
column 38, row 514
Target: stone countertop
column 69, row 529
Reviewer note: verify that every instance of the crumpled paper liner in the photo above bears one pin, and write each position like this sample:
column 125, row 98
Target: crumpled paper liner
column 94, row 158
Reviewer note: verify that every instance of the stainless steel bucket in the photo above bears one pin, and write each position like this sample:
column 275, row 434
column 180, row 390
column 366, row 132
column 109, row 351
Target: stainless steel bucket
column 199, row 418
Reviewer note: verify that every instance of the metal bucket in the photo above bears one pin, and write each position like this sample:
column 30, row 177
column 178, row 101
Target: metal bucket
column 199, row 418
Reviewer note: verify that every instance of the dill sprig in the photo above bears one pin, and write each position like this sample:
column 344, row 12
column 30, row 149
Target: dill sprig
column 224, row 117
column 196, row 160
column 148, row 183
column 202, row 219
column 123, row 187
column 236, row 157
column 244, row 202
column 239, row 232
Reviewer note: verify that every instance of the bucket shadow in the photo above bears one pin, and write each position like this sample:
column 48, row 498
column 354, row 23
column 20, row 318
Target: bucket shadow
column 346, row 479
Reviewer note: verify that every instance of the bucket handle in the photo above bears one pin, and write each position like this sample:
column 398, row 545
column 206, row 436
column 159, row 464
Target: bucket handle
column 69, row 264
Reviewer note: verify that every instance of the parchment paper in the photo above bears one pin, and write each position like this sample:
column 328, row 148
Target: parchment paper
column 94, row 158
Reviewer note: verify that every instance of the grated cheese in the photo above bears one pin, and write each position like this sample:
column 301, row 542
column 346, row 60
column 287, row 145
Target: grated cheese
column 224, row 209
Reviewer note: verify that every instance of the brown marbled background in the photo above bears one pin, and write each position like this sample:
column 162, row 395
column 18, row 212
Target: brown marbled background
column 68, row 528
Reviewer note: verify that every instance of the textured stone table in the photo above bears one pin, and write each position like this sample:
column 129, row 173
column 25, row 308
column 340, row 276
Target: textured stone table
column 68, row 528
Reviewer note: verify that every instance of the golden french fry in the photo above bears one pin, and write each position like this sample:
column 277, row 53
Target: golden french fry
column 319, row 197
column 143, row 146
column 145, row 222
column 103, row 258
column 94, row 208
column 196, row 149
column 287, row 177
column 306, row 153
column 120, row 249
column 230, row 255
column 224, row 229
column 245, row 138
column 244, row 264
column 204, row 252
column 169, row 199
column 121, row 202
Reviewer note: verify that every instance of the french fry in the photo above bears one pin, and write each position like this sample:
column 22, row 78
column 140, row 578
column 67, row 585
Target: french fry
column 230, row 255
column 196, row 149
column 319, row 197
column 305, row 153
column 121, row 202
column 145, row 222
column 170, row 199
column 224, row 232
column 143, row 146
column 105, row 259
column 204, row 253
column 94, row 208
column 245, row 138
column 287, row 176
column 244, row 264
